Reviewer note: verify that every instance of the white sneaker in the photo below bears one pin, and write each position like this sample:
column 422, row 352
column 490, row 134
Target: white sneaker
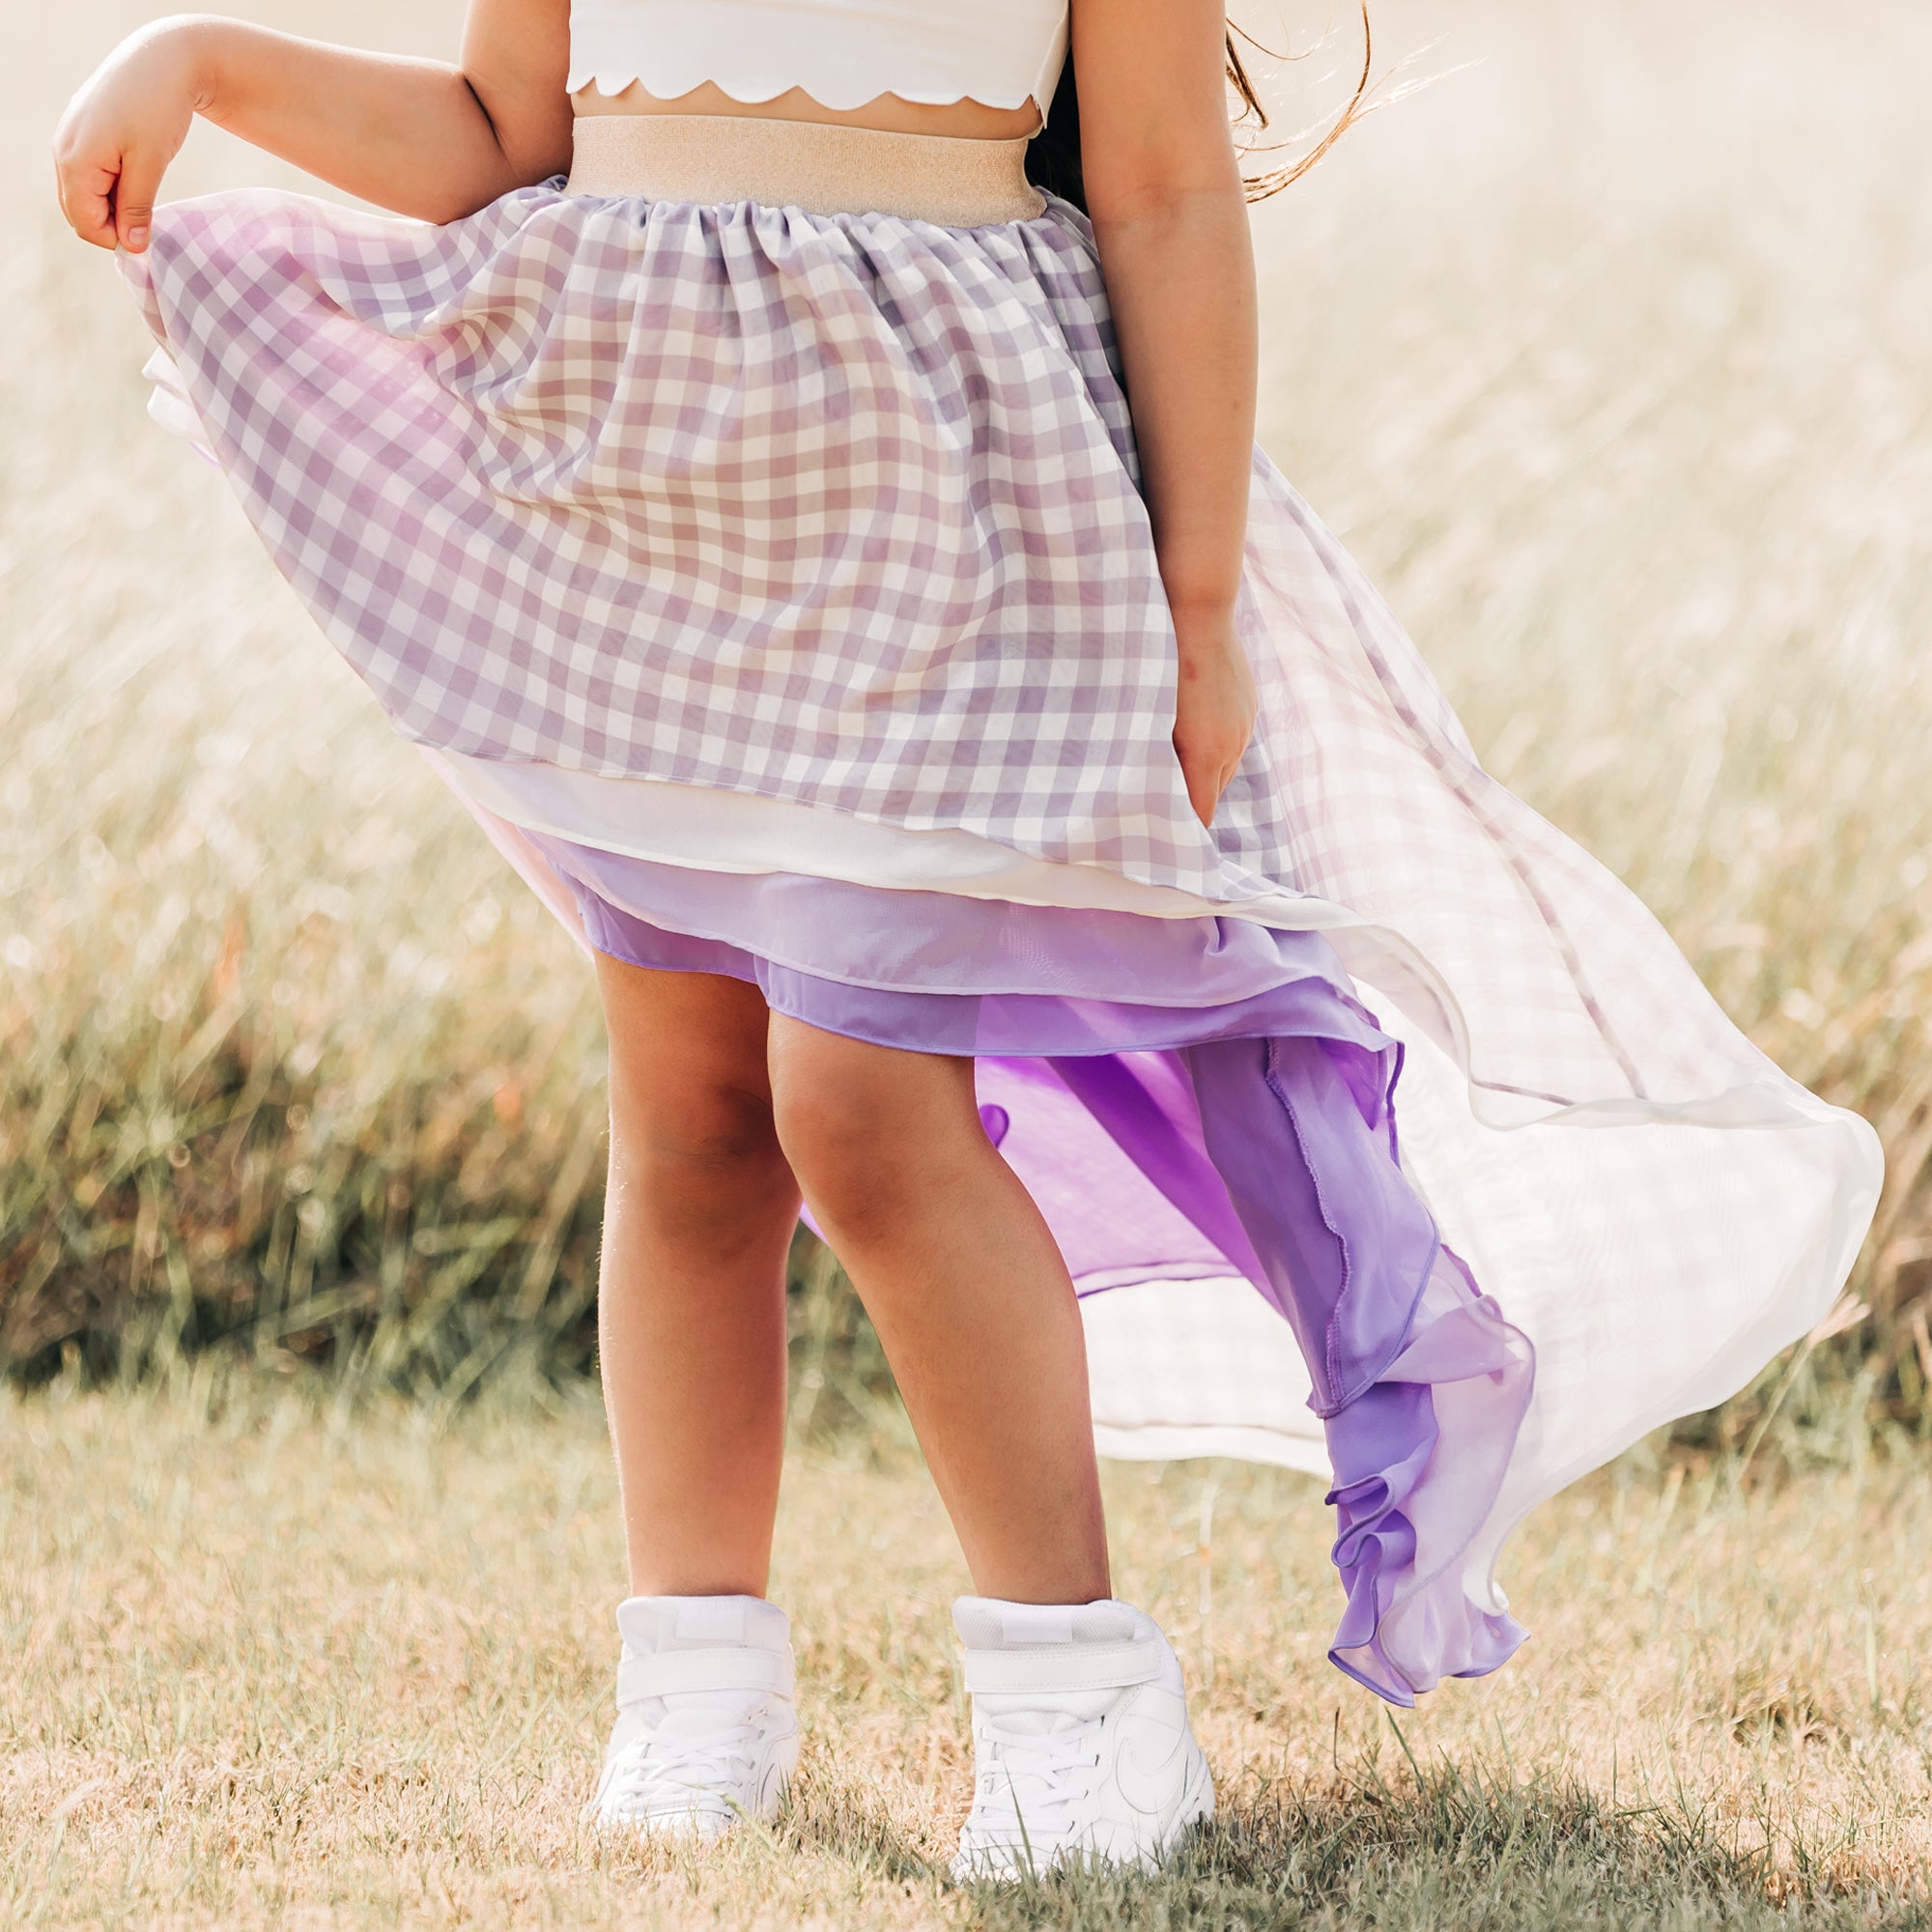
column 706, row 1733
column 1081, row 1743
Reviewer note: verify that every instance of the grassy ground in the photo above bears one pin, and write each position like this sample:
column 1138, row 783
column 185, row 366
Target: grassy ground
column 273, row 1664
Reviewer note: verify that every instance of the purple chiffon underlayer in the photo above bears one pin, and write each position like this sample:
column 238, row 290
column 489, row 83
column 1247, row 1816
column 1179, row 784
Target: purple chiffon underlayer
column 835, row 520
column 1252, row 1134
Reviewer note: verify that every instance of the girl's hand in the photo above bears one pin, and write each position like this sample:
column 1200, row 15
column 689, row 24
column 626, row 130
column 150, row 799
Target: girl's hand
column 1214, row 709
column 119, row 132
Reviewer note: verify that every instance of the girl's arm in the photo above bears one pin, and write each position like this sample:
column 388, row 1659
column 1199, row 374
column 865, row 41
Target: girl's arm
column 1164, row 191
column 421, row 137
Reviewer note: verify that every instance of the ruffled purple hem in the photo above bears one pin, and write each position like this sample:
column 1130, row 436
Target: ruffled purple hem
column 1456, row 1396
column 1421, row 1384
column 1259, row 1139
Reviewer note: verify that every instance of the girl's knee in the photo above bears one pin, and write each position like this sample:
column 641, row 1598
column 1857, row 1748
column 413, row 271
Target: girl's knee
column 859, row 1124
column 696, row 1125
column 688, row 1083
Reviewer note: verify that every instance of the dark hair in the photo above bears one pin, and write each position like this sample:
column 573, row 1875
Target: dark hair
column 1053, row 156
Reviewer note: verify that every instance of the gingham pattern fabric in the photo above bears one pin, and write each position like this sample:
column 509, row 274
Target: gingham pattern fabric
column 839, row 516
column 841, row 511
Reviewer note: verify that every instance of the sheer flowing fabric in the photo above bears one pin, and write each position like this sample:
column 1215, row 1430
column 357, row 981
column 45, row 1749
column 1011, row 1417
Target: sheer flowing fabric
column 778, row 590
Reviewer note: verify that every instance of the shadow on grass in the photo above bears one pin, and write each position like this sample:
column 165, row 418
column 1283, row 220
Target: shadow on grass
column 1452, row 1850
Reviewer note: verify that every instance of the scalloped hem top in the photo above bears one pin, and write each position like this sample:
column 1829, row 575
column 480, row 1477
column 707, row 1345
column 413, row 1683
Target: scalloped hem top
column 1001, row 53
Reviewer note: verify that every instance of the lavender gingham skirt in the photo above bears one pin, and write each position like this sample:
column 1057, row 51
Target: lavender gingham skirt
column 778, row 589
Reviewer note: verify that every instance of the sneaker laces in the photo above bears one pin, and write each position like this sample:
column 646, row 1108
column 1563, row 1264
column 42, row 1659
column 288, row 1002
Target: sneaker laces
column 674, row 1766
column 1031, row 1784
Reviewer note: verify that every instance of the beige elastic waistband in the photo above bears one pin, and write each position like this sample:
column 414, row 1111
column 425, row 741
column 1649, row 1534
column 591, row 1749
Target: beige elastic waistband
column 818, row 166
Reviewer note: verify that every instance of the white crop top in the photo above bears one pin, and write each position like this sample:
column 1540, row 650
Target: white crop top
column 842, row 52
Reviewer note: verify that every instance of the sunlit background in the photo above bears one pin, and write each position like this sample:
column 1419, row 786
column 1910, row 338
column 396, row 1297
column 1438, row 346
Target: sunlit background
column 1610, row 350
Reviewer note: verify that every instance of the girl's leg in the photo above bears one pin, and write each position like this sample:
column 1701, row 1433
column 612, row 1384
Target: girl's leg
column 692, row 1322
column 968, row 1292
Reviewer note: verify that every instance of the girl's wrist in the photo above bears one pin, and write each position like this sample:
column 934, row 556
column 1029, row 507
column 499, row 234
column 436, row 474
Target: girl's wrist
column 1203, row 627
column 1200, row 586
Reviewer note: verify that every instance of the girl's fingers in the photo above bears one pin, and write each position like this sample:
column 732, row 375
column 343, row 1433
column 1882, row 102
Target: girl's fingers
column 87, row 200
column 134, row 200
column 1202, row 794
column 1205, row 781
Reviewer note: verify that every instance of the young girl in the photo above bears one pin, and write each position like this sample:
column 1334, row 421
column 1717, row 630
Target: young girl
column 1011, row 826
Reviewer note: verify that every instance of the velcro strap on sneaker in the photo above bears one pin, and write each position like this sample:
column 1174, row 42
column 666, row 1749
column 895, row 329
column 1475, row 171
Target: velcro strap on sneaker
column 716, row 1667
column 1066, row 1666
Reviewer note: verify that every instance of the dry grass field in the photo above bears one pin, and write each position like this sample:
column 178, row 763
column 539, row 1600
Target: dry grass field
column 271, row 1665
column 1611, row 355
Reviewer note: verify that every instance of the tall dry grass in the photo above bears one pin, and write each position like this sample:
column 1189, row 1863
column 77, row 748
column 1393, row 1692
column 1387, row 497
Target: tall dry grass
column 1611, row 354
